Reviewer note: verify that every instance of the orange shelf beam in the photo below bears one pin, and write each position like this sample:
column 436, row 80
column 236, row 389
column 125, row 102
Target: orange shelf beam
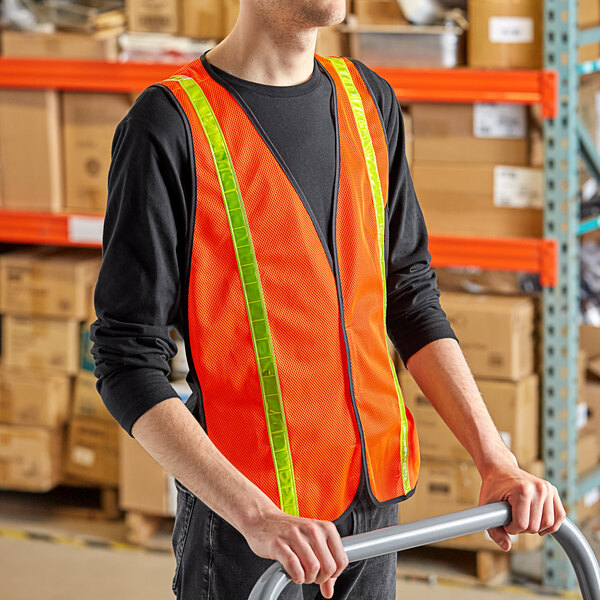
column 475, row 85
column 55, row 229
column 82, row 75
column 527, row 255
column 425, row 85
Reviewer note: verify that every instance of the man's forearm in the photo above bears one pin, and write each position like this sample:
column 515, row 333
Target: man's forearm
column 311, row 551
column 443, row 375
column 174, row 438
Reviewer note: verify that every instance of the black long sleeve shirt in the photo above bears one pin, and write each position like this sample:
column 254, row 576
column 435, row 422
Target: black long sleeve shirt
column 151, row 192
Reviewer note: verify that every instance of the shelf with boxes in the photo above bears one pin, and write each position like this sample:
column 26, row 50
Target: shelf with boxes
column 86, row 140
column 54, row 426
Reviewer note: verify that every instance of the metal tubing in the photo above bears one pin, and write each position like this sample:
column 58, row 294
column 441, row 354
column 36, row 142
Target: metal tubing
column 438, row 529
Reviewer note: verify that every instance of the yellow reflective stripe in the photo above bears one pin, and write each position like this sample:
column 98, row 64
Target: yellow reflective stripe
column 253, row 295
column 371, row 162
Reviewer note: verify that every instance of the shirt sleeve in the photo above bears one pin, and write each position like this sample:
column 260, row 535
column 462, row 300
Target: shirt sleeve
column 414, row 315
column 137, row 295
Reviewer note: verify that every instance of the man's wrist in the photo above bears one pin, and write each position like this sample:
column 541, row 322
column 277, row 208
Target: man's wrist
column 497, row 459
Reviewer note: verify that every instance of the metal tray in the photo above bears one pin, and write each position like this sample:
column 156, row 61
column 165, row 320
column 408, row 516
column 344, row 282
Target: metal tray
column 407, row 45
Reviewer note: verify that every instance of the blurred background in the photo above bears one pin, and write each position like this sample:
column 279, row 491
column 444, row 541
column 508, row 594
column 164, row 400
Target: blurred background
column 501, row 103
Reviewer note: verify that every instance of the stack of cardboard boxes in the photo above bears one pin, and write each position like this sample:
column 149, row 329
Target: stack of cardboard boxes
column 589, row 419
column 64, row 138
column 470, row 170
column 496, row 336
column 44, row 297
column 93, row 439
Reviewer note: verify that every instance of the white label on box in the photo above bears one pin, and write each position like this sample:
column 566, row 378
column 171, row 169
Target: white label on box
column 85, row 230
column 591, row 497
column 518, row 187
column 499, row 121
column 83, row 456
column 171, row 496
column 581, row 415
column 589, row 189
column 506, row 438
column 510, row 30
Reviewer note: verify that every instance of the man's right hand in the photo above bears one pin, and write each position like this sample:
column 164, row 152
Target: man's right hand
column 310, row 551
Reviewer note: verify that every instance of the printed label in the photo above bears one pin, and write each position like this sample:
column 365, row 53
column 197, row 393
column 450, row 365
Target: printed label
column 591, row 497
column 85, row 229
column 171, row 496
column 518, row 187
column 510, row 30
column 589, row 189
column 506, row 438
column 83, row 456
column 499, row 121
column 581, row 415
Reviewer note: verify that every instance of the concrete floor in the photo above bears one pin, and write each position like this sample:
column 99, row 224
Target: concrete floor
column 35, row 570
column 38, row 570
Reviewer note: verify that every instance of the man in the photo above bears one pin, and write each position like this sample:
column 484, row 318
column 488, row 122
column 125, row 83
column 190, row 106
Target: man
column 261, row 202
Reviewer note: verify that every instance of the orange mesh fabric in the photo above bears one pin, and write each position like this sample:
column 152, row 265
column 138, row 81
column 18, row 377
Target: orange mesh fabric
column 362, row 290
column 302, row 307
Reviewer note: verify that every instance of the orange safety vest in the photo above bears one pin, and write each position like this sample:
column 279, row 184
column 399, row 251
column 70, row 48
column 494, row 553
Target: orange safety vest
column 288, row 342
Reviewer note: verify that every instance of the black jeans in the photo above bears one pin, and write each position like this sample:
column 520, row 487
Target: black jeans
column 214, row 561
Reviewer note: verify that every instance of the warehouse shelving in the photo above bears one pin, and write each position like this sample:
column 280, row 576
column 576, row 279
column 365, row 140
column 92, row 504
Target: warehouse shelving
column 555, row 257
column 519, row 254
column 565, row 140
column 439, row 85
column 410, row 85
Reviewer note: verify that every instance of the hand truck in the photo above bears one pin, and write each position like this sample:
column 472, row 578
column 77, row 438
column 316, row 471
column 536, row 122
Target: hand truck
column 437, row 529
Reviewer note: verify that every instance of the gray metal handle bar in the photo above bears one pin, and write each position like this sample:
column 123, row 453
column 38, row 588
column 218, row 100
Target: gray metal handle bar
column 437, row 529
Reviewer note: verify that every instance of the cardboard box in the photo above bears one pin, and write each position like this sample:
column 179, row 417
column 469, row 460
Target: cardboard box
column 93, row 450
column 589, row 506
column 505, row 34
column 30, row 458
column 34, row 398
column 204, row 19
column 513, row 406
column 50, row 282
column 588, row 13
column 588, row 450
column 589, row 340
column 30, row 150
column 379, row 12
column 589, row 105
column 154, row 16
column 231, row 12
column 448, row 486
column 463, row 199
column 143, row 484
column 588, row 52
column 495, row 333
column 89, row 121
column 332, row 41
column 40, row 343
column 472, row 134
column 591, row 395
column 102, row 45
column 86, row 399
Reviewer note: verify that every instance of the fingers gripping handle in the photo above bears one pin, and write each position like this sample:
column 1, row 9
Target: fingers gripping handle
column 438, row 529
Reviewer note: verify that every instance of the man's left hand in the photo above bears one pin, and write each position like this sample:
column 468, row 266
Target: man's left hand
column 536, row 506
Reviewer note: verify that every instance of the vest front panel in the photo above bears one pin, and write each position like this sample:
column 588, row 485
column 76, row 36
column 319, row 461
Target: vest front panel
column 322, row 385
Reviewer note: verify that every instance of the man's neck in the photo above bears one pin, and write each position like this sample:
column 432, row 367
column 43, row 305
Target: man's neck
column 267, row 52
